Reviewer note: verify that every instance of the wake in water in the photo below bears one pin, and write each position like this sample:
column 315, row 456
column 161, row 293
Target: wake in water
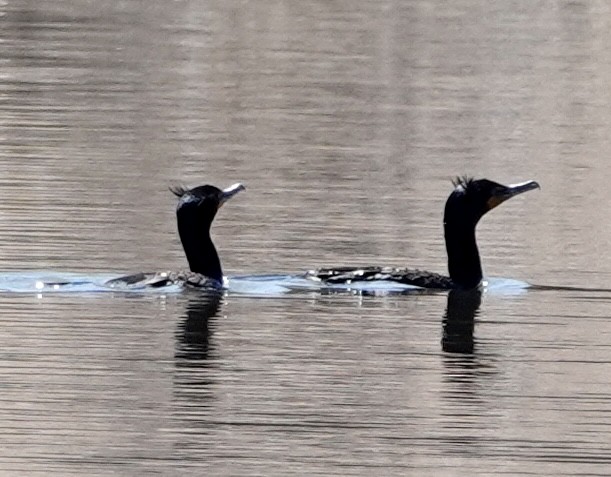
column 253, row 285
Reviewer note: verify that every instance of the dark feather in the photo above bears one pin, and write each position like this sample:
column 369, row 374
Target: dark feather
column 162, row 279
column 347, row 275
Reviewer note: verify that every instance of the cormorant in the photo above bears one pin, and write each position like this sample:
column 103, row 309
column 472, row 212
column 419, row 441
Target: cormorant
column 468, row 202
column 195, row 212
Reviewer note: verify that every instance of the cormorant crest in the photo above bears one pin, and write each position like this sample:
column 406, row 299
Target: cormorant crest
column 463, row 182
column 178, row 190
column 185, row 195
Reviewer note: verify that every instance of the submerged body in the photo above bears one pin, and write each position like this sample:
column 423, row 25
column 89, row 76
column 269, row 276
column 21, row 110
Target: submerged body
column 195, row 212
column 467, row 204
column 164, row 279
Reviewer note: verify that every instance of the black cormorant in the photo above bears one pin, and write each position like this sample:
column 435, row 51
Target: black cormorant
column 195, row 212
column 468, row 202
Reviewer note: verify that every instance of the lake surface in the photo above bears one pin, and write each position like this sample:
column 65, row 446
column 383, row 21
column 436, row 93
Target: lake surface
column 346, row 121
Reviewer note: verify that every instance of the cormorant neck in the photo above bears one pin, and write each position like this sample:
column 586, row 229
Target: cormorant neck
column 199, row 249
column 463, row 257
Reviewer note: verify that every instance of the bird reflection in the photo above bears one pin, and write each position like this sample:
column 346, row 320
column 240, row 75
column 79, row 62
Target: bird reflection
column 459, row 321
column 193, row 333
column 193, row 382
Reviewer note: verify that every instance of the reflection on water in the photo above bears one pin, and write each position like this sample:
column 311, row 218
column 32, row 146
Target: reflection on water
column 346, row 121
column 459, row 320
column 195, row 328
column 192, row 385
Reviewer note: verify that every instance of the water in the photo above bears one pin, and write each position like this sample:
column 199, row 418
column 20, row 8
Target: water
column 346, row 121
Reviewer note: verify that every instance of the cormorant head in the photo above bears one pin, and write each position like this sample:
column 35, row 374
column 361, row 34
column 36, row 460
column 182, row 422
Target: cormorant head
column 202, row 202
column 471, row 198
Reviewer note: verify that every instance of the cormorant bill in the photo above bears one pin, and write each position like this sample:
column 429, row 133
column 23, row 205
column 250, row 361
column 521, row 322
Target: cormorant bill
column 469, row 201
column 195, row 212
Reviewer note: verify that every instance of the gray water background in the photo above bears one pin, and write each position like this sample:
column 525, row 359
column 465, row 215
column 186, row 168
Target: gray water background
column 346, row 120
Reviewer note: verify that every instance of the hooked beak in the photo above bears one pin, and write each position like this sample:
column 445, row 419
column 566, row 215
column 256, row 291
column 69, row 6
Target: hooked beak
column 507, row 192
column 229, row 192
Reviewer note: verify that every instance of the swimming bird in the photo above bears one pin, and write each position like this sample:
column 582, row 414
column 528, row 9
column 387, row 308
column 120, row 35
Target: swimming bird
column 469, row 201
column 195, row 212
